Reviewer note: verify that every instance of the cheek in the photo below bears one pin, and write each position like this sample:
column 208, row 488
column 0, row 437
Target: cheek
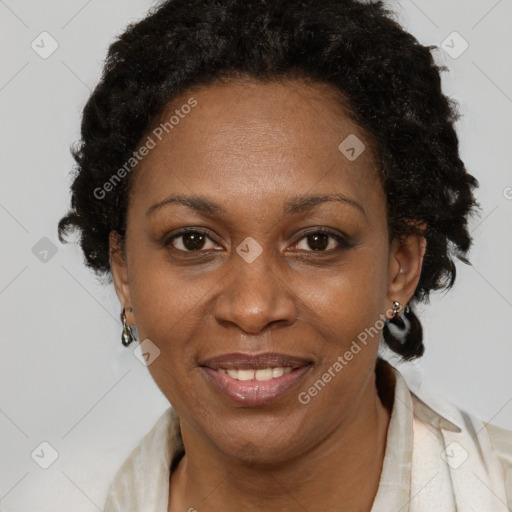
column 166, row 299
column 346, row 311
column 347, row 316
column 169, row 313
column 351, row 296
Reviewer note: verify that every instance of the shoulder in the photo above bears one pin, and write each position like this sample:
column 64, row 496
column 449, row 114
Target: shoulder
column 432, row 408
column 144, row 475
column 470, row 460
column 482, row 452
column 501, row 441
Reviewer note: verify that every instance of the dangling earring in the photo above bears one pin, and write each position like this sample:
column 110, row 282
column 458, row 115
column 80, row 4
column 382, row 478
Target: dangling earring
column 127, row 334
column 403, row 332
column 399, row 325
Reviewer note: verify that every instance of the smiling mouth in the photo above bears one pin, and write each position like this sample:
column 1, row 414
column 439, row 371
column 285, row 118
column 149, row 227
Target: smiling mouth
column 255, row 379
column 264, row 374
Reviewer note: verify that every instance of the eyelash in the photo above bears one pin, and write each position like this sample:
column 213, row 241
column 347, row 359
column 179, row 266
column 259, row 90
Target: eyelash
column 342, row 242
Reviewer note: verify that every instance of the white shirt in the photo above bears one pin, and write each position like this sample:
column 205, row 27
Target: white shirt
column 437, row 459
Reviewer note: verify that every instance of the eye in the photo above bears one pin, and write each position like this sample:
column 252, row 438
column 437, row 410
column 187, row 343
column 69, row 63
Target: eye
column 322, row 240
column 191, row 240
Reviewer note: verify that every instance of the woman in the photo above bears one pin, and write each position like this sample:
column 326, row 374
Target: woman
column 273, row 186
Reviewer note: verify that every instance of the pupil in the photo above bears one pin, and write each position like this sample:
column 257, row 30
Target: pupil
column 318, row 241
column 193, row 241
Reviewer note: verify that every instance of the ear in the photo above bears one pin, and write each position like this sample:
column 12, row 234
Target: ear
column 405, row 264
column 120, row 273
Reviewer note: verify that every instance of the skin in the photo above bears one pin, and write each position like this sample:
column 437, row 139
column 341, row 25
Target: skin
column 250, row 147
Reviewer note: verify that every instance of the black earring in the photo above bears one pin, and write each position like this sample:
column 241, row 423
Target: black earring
column 127, row 334
column 403, row 332
column 400, row 322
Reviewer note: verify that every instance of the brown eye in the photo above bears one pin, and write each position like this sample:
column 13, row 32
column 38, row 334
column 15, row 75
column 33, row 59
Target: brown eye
column 322, row 241
column 318, row 242
column 189, row 241
column 193, row 241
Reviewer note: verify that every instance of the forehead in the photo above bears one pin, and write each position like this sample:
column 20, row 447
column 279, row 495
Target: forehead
column 251, row 140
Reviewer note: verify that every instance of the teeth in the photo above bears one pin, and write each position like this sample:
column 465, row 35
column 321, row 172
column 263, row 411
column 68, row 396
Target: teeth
column 277, row 372
column 263, row 374
column 245, row 374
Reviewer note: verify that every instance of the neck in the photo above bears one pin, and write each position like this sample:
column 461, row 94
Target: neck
column 350, row 458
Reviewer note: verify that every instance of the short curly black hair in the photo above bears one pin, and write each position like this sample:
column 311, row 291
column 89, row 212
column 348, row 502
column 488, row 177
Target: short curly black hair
column 387, row 79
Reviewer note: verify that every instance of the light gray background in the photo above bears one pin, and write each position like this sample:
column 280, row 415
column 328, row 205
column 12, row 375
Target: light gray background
column 66, row 379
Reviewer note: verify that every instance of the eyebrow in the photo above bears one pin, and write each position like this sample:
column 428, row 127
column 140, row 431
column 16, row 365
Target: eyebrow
column 301, row 204
column 293, row 206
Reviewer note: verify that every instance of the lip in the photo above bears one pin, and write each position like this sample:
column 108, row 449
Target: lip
column 255, row 361
column 254, row 392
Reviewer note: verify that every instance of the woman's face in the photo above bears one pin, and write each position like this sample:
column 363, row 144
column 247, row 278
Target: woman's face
column 288, row 254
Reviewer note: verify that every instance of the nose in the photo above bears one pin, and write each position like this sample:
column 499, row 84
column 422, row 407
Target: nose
column 255, row 297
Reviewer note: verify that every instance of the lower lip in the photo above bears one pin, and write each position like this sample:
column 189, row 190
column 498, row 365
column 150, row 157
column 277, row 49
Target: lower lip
column 255, row 392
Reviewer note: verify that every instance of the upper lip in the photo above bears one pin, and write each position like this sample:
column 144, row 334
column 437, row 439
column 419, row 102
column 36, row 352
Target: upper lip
column 255, row 361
